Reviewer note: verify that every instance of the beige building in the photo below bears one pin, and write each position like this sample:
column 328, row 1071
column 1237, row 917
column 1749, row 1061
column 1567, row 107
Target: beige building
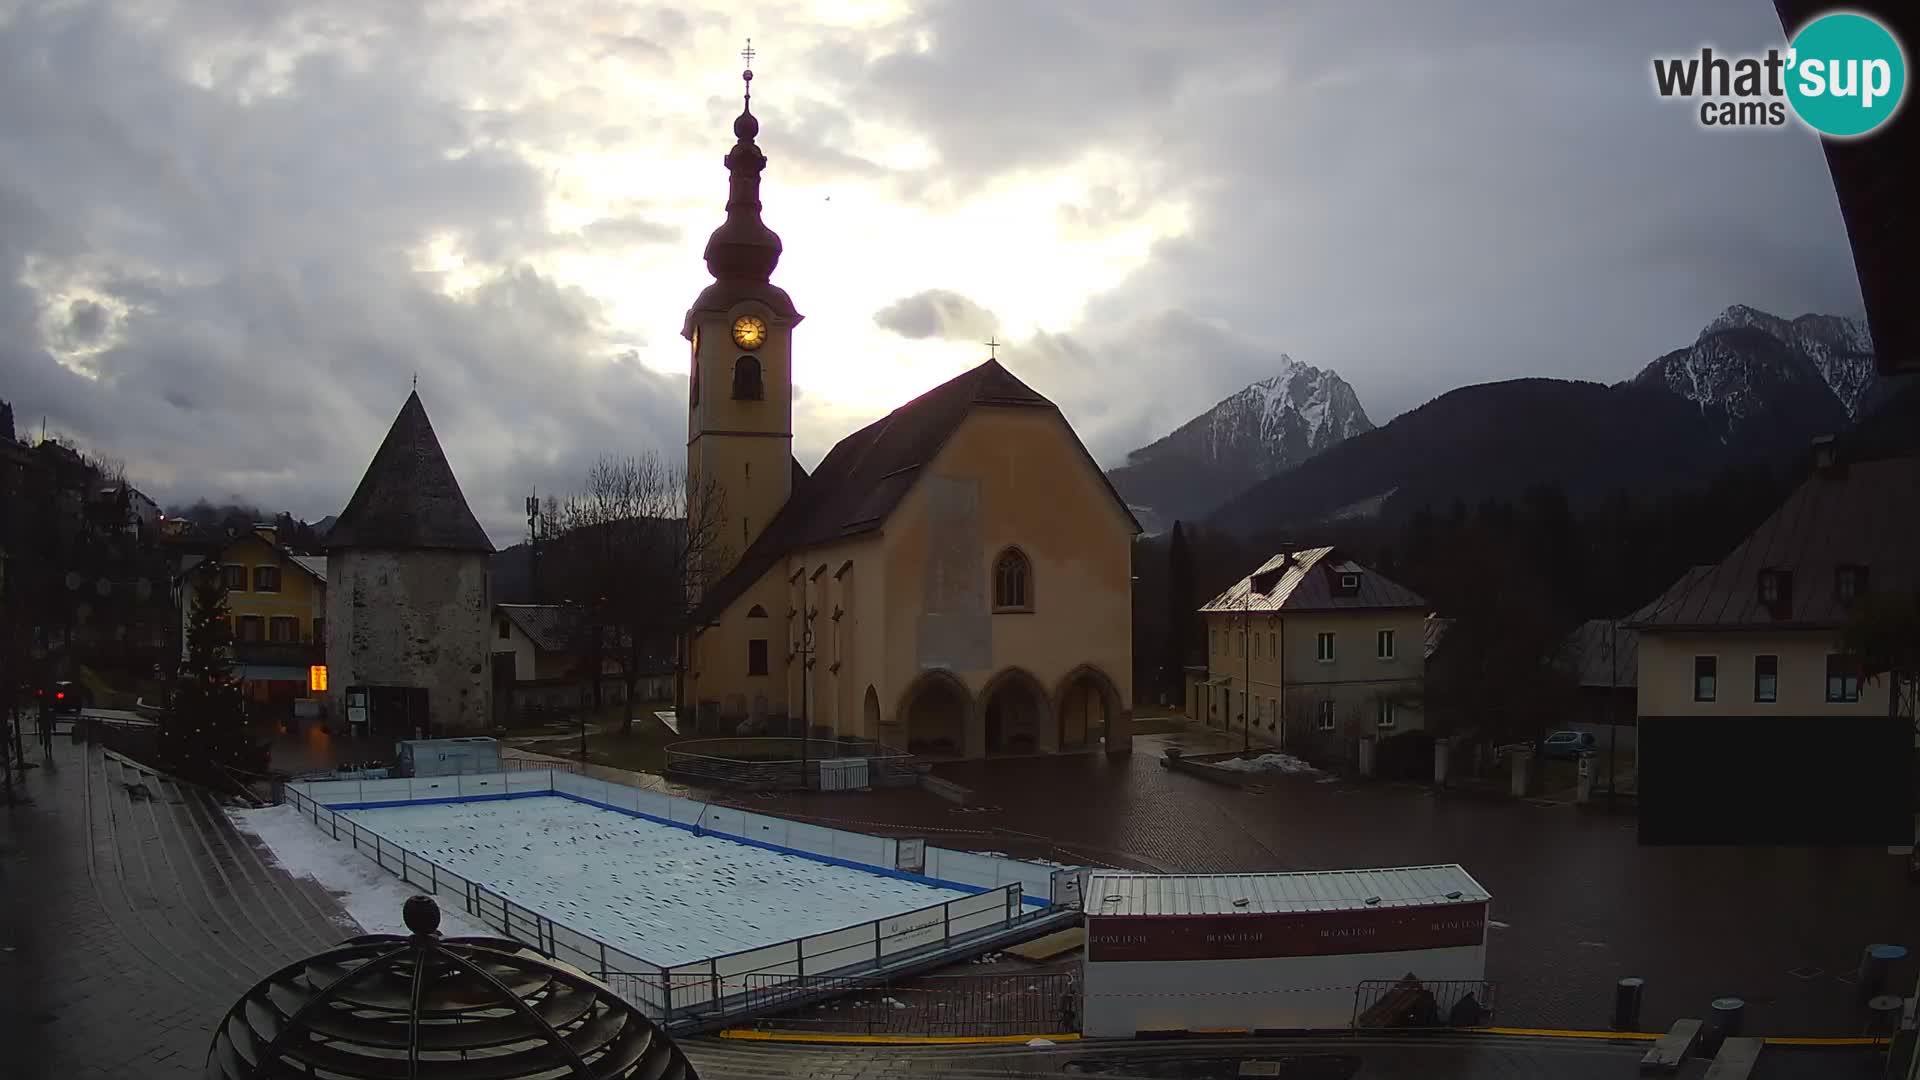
column 1754, row 722
column 954, row 578
column 1316, row 651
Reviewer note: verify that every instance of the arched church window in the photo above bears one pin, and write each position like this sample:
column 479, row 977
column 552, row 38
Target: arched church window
column 1012, row 581
column 756, row 612
column 746, row 380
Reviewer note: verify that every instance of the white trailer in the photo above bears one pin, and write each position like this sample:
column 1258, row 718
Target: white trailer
column 447, row 757
column 1270, row 951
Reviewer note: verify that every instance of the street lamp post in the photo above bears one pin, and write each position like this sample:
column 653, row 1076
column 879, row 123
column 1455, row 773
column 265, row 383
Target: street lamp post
column 1246, row 658
column 805, row 653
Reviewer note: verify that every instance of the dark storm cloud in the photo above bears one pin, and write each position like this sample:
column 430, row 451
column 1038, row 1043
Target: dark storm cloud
column 1419, row 195
column 260, row 249
column 937, row 313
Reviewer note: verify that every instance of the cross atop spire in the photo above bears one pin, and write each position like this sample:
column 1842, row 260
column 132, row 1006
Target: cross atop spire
column 993, row 349
column 747, row 54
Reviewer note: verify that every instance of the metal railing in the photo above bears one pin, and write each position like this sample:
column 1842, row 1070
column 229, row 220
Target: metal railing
column 713, row 986
column 769, row 762
column 1410, row 1003
column 941, row 1005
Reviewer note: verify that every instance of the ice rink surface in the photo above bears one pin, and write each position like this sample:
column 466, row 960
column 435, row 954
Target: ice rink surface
column 658, row 892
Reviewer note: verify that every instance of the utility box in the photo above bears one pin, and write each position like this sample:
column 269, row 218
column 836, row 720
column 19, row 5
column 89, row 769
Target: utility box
column 448, row 757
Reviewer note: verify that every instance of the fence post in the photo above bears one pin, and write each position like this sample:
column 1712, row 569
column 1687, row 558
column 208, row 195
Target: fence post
column 433, row 874
column 946, row 918
column 713, row 967
column 666, row 994
column 604, row 973
column 334, row 821
column 876, row 943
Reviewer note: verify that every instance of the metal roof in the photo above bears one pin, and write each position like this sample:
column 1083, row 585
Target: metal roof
column 1269, row 894
column 1304, row 581
column 1864, row 514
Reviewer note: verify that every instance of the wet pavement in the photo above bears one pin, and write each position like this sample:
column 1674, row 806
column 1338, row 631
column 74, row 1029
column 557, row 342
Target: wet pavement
column 1577, row 902
column 132, row 915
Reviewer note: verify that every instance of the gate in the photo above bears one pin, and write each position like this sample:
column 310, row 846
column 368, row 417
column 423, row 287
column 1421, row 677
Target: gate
column 1000, row 1004
column 1411, row 1004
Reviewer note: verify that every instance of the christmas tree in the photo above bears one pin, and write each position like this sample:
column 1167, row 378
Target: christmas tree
column 205, row 727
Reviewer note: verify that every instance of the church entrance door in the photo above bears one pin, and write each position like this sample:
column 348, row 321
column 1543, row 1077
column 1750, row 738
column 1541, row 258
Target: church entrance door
column 1015, row 710
column 937, row 720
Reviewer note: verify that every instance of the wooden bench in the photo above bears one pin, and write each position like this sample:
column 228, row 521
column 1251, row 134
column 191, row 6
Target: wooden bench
column 1736, row 1059
column 1671, row 1049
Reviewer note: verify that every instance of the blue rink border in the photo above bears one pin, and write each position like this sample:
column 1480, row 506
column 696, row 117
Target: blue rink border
column 882, row 871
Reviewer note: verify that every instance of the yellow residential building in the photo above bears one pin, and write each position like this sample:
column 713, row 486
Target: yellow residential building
column 276, row 610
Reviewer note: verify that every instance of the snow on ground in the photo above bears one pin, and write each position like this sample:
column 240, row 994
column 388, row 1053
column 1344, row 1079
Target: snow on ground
column 1267, row 763
column 661, row 893
column 371, row 896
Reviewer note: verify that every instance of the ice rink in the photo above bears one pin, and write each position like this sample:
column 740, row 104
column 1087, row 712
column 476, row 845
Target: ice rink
column 658, row 892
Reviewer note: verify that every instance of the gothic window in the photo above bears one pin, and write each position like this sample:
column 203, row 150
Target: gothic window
column 746, row 380
column 1012, row 582
column 756, row 612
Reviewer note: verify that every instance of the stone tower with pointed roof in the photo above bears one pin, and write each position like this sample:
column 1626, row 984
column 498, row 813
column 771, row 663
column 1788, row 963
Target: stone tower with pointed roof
column 409, row 595
column 955, row 578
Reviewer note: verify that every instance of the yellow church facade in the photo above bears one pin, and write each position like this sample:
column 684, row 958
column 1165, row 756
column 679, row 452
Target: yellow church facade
column 954, row 579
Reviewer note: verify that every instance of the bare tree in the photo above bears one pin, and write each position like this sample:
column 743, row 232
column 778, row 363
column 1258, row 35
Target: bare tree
column 627, row 551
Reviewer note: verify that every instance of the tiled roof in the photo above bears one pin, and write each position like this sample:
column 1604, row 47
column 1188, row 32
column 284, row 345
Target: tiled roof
column 1305, row 580
column 409, row 498
column 550, row 626
column 1865, row 514
column 1589, row 654
column 867, row 473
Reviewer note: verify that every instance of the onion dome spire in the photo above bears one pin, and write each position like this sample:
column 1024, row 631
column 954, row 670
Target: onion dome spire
column 743, row 248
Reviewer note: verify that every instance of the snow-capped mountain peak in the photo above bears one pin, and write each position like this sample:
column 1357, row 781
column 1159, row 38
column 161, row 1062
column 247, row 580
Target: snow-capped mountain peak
column 1748, row 364
column 1269, row 425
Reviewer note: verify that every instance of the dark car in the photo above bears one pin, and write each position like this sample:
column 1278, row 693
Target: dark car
column 64, row 698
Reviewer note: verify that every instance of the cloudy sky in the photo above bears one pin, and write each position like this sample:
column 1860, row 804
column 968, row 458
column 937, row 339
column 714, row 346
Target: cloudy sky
column 233, row 231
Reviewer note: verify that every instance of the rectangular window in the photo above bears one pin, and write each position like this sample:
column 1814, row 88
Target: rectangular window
column 1323, row 647
column 283, row 629
column 266, row 579
column 1273, row 645
column 1383, row 716
column 1766, row 678
column 1256, row 648
column 1849, row 581
column 1705, row 672
column 1843, row 680
column 234, row 577
column 757, row 656
column 1383, row 644
column 504, row 630
column 320, row 633
column 1325, row 721
column 251, row 628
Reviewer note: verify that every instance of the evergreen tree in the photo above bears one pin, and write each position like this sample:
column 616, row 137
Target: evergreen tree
column 1180, row 614
column 205, row 726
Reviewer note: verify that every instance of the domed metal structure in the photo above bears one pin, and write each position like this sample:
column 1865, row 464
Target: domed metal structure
column 392, row 1007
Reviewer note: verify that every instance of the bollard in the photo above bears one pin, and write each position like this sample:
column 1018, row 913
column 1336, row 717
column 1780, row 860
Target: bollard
column 1627, row 994
column 1883, row 1015
column 1723, row 1023
column 1875, row 963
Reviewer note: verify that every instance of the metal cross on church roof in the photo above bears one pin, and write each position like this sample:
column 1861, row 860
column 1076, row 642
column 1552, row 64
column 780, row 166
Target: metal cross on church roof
column 747, row 53
column 993, row 349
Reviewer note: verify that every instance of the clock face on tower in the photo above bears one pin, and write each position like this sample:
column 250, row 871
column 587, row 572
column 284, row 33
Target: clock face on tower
column 749, row 332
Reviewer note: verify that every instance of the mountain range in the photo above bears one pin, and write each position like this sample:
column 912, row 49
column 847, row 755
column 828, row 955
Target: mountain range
column 1296, row 451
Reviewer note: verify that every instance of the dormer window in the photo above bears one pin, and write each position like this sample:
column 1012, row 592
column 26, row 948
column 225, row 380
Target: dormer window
column 1349, row 582
column 1776, row 592
column 1849, row 581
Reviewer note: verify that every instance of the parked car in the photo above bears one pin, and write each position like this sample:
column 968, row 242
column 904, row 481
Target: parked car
column 1569, row 744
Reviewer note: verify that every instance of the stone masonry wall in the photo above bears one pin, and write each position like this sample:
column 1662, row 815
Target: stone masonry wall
column 412, row 618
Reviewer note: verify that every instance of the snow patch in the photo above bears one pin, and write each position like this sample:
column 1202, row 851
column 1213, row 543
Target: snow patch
column 1267, row 763
column 373, row 898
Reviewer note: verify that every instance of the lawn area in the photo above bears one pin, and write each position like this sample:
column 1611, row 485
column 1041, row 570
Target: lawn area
column 643, row 750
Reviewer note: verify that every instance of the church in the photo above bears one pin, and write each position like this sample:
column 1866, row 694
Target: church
column 953, row 579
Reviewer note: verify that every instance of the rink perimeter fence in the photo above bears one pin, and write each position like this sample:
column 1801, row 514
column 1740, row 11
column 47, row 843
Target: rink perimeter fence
column 1007, row 893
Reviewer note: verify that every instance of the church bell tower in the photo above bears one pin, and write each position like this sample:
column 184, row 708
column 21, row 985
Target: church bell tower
column 740, row 401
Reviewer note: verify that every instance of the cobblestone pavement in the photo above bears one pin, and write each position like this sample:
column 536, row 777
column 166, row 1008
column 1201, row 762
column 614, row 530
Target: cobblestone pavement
column 132, row 915
column 1578, row 902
